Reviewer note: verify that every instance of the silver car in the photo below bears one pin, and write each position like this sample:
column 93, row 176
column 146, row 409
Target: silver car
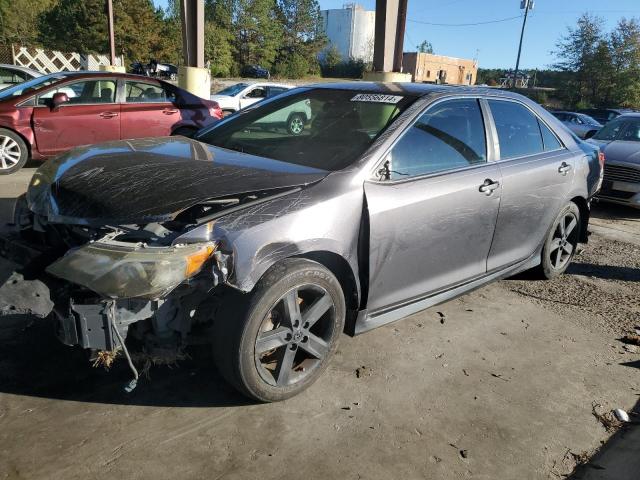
column 582, row 125
column 14, row 74
column 393, row 198
column 619, row 140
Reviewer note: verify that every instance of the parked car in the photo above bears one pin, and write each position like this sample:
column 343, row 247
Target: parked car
column 620, row 141
column 579, row 123
column 255, row 71
column 395, row 198
column 13, row 74
column 604, row 115
column 241, row 95
column 48, row 115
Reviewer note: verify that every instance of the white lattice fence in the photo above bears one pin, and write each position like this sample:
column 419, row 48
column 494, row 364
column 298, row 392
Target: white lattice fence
column 50, row 61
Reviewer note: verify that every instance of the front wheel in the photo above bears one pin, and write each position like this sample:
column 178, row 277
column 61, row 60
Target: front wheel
column 283, row 340
column 561, row 243
column 295, row 124
column 13, row 152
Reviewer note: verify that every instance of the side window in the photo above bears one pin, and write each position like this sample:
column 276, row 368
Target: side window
column 549, row 139
column 84, row 93
column 12, row 76
column 142, row 92
column 273, row 91
column 447, row 136
column 518, row 131
column 259, row 92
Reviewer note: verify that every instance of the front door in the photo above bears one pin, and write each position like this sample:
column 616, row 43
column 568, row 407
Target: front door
column 254, row 95
column 90, row 116
column 537, row 173
column 148, row 110
column 433, row 210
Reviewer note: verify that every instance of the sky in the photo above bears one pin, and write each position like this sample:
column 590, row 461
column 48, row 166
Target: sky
column 495, row 45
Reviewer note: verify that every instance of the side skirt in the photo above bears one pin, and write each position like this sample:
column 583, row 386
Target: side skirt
column 368, row 321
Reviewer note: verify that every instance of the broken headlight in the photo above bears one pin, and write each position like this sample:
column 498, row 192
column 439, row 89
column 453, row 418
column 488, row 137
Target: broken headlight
column 121, row 270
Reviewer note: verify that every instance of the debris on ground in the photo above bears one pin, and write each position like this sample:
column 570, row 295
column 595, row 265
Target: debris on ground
column 362, row 371
column 442, row 317
column 621, row 415
column 105, row 358
column 630, row 348
column 464, row 453
column 464, row 370
column 631, row 339
column 158, row 357
column 498, row 375
column 607, row 419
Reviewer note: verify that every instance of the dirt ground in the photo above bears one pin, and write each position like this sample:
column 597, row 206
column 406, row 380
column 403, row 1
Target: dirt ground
column 515, row 380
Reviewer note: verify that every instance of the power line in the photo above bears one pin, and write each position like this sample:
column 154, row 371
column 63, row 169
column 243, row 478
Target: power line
column 464, row 24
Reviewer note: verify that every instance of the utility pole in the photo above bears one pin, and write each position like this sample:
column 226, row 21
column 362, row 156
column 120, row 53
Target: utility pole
column 112, row 46
column 526, row 5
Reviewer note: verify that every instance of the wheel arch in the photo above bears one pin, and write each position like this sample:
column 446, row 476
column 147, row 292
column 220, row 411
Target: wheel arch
column 585, row 213
column 26, row 141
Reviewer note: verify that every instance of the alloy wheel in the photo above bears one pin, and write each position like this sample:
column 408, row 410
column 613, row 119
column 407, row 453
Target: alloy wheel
column 9, row 152
column 564, row 242
column 295, row 336
column 296, row 126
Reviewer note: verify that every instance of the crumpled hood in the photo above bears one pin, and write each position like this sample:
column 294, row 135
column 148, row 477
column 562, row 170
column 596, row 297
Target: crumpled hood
column 619, row 150
column 150, row 180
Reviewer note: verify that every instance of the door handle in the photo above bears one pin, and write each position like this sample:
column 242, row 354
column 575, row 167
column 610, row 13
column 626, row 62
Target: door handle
column 488, row 186
column 108, row 114
column 169, row 111
column 564, row 168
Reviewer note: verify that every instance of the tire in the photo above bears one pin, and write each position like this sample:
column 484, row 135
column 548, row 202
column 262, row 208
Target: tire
column 13, row 152
column 295, row 124
column 185, row 131
column 561, row 240
column 252, row 344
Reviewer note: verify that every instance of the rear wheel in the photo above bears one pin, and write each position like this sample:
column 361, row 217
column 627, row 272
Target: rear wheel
column 13, row 152
column 561, row 244
column 295, row 124
column 287, row 333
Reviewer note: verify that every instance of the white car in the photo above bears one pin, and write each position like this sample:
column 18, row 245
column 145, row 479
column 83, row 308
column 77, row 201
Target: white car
column 13, row 74
column 241, row 95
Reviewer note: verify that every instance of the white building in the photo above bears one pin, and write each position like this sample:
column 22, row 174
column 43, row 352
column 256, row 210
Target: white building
column 351, row 30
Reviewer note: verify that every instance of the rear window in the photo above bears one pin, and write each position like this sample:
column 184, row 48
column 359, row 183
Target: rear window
column 321, row 128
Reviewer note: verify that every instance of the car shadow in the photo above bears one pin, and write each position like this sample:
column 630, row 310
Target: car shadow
column 34, row 363
column 606, row 272
column 613, row 211
column 6, row 211
column 618, row 458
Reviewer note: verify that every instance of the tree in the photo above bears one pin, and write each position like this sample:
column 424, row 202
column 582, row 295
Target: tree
column 218, row 37
column 258, row 32
column 425, row 47
column 19, row 20
column 625, row 59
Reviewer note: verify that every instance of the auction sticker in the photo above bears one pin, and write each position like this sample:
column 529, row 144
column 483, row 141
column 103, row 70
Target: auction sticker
column 376, row 98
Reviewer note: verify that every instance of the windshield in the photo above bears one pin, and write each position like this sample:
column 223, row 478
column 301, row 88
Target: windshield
column 31, row 85
column 621, row 128
column 233, row 90
column 588, row 120
column 321, row 128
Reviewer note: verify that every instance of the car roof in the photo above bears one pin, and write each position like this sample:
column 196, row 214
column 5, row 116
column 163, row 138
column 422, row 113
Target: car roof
column 629, row 114
column 21, row 68
column 416, row 89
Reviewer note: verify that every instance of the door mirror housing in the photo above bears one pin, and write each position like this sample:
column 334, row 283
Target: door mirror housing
column 59, row 99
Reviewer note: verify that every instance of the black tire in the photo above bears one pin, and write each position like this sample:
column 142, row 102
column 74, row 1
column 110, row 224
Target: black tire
column 16, row 154
column 185, row 131
column 241, row 332
column 551, row 265
column 295, row 123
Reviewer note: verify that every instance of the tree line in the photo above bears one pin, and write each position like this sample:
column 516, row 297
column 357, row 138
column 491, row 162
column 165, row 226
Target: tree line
column 281, row 35
column 594, row 67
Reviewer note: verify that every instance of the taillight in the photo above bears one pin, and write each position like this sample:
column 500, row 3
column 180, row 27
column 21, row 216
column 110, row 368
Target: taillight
column 601, row 159
column 216, row 111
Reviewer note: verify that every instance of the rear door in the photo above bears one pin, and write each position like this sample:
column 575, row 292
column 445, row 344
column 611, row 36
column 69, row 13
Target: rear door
column 148, row 109
column 433, row 210
column 91, row 116
column 537, row 172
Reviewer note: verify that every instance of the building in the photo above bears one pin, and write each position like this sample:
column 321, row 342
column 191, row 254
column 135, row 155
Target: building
column 351, row 30
column 429, row 68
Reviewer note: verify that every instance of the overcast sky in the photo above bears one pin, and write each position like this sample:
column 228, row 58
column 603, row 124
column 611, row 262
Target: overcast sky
column 496, row 44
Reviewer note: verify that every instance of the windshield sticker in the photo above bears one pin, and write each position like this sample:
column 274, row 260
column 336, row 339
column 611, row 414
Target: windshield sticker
column 376, row 98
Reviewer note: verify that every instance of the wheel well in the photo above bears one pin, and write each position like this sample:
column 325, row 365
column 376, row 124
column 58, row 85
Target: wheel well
column 24, row 139
column 343, row 272
column 585, row 212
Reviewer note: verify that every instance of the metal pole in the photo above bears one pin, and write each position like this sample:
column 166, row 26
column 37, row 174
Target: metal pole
column 400, row 29
column 112, row 43
column 524, row 22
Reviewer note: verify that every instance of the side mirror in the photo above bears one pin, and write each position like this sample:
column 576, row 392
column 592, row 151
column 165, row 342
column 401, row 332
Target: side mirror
column 58, row 99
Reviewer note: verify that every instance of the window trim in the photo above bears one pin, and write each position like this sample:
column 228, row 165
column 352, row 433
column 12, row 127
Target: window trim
column 372, row 177
column 498, row 153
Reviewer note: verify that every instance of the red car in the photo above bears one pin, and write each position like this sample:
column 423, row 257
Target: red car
column 51, row 114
